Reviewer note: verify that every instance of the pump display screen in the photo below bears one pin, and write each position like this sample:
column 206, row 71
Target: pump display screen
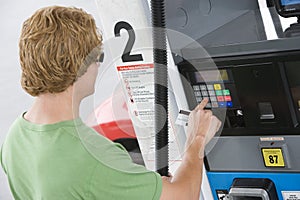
column 211, row 76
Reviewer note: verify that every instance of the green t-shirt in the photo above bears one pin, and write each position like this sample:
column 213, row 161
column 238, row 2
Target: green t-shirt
column 69, row 160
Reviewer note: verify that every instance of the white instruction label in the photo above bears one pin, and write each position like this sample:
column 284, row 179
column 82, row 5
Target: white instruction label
column 291, row 195
column 139, row 87
column 138, row 84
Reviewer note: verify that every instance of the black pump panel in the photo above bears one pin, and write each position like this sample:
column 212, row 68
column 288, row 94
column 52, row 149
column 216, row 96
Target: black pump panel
column 262, row 94
column 258, row 93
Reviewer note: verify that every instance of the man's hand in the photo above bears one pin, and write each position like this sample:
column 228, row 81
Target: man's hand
column 186, row 183
column 202, row 126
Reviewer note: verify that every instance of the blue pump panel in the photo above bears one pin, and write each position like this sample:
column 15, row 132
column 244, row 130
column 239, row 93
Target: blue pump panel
column 289, row 182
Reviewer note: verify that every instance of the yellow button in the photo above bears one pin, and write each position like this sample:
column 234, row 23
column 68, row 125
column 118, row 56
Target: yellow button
column 217, row 86
column 273, row 157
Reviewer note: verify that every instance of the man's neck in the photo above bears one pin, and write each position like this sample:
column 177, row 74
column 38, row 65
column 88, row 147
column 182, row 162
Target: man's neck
column 52, row 108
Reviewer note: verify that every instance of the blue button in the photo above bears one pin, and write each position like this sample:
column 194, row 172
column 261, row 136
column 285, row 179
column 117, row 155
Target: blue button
column 222, row 104
column 229, row 104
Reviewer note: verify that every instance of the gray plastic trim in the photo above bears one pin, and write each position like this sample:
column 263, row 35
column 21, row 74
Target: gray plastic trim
column 234, row 193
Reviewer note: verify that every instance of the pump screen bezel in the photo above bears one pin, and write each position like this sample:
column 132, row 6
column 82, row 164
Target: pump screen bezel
column 287, row 10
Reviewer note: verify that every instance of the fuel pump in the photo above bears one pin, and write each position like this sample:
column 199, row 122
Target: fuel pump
column 253, row 84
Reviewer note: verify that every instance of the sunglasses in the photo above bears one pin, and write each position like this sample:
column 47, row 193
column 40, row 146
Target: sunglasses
column 100, row 58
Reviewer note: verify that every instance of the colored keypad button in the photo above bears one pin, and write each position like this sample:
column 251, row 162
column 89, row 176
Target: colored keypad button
column 219, row 92
column 227, row 98
column 217, row 86
column 222, row 104
column 220, row 98
column 226, row 92
column 229, row 104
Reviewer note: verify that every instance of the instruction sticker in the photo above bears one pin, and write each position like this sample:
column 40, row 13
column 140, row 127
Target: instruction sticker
column 273, row 157
column 222, row 194
column 291, row 195
column 138, row 85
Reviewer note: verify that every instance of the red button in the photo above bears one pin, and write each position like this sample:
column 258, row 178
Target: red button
column 220, row 98
column 227, row 98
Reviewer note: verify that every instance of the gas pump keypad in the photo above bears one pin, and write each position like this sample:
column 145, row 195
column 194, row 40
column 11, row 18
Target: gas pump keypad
column 216, row 93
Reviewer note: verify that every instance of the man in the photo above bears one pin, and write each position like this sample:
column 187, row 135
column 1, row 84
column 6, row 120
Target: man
column 50, row 153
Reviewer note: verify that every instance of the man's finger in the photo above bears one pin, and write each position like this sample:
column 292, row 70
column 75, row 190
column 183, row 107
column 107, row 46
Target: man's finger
column 202, row 105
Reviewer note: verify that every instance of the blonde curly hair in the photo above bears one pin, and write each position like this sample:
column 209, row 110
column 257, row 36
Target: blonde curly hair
column 57, row 45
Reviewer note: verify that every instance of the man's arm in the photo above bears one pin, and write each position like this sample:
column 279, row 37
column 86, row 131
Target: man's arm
column 186, row 183
column 1, row 158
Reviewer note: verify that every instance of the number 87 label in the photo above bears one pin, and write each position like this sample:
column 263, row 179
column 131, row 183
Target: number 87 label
column 273, row 157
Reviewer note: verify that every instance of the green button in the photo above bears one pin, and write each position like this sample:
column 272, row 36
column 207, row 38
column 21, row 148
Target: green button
column 219, row 92
column 226, row 92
